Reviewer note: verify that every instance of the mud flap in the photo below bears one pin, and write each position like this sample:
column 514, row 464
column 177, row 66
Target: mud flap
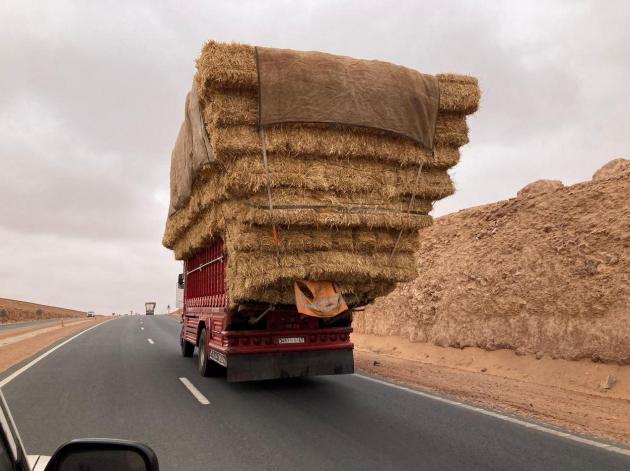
column 288, row 365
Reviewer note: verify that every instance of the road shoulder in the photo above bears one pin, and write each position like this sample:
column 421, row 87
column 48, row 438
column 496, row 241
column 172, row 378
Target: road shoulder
column 509, row 386
column 15, row 353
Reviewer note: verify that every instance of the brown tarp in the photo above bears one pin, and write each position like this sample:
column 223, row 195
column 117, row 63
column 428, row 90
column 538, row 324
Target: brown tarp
column 192, row 150
column 314, row 87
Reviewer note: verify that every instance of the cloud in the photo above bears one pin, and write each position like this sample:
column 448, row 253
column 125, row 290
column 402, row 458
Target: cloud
column 93, row 97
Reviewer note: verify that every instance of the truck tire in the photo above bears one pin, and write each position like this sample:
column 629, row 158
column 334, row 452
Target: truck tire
column 206, row 366
column 187, row 348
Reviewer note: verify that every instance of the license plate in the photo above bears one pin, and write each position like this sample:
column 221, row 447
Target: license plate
column 218, row 357
column 291, row 340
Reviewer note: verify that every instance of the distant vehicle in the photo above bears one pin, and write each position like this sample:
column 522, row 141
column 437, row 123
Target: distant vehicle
column 255, row 341
column 90, row 314
column 150, row 308
column 92, row 453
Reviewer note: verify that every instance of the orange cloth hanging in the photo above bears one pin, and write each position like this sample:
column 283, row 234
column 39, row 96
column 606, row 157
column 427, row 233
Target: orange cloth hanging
column 318, row 298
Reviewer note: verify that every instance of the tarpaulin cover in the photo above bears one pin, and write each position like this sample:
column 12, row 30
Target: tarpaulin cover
column 315, row 87
column 192, row 150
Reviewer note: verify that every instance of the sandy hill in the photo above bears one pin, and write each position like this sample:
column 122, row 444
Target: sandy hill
column 545, row 272
column 17, row 311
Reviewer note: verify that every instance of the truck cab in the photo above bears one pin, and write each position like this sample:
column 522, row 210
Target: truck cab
column 255, row 341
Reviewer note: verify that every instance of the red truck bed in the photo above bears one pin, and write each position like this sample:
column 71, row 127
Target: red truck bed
column 255, row 341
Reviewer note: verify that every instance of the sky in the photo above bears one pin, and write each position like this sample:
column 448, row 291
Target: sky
column 92, row 97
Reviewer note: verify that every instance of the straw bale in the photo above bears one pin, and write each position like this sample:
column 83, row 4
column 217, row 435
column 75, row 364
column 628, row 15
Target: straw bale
column 223, row 66
column 240, row 108
column 367, row 202
column 250, row 274
column 204, row 199
column 340, row 193
column 226, row 66
column 231, row 108
column 358, row 292
column 254, row 238
column 318, row 141
column 458, row 93
column 297, row 181
column 336, row 177
column 214, row 221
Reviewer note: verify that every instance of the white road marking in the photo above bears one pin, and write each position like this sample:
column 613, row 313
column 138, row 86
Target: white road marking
column 150, row 341
column 41, row 463
column 17, row 373
column 35, row 333
column 141, row 328
column 195, row 392
column 540, row 428
column 37, row 462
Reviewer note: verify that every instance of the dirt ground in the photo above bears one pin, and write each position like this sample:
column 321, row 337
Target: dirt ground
column 20, row 311
column 14, row 353
column 571, row 394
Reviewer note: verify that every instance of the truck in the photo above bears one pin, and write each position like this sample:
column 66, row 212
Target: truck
column 149, row 308
column 255, row 341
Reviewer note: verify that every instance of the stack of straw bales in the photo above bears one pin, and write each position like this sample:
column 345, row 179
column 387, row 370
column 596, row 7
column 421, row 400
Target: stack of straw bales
column 347, row 201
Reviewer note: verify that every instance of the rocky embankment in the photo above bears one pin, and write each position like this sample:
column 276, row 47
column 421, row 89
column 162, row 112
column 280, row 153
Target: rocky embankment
column 547, row 273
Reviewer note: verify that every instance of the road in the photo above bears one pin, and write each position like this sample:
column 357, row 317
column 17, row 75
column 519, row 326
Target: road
column 43, row 322
column 112, row 382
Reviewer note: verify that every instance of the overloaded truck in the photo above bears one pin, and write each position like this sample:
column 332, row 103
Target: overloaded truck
column 299, row 182
column 149, row 308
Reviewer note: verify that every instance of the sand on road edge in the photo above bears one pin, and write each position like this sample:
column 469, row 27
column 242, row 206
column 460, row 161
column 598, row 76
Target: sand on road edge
column 12, row 354
column 559, row 392
column 4, row 334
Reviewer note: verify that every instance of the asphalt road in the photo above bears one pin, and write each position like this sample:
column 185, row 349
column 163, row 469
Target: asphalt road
column 18, row 325
column 112, row 382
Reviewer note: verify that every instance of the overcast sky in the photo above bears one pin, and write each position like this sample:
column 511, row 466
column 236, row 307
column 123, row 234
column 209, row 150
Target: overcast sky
column 92, row 95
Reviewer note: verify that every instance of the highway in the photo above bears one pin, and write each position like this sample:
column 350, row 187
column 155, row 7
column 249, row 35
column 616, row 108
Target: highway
column 122, row 379
column 43, row 322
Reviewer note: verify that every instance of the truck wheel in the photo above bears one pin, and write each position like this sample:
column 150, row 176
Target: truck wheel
column 206, row 366
column 187, row 348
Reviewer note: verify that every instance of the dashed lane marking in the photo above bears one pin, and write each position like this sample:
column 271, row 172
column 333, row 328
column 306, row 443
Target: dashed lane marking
column 150, row 341
column 195, row 392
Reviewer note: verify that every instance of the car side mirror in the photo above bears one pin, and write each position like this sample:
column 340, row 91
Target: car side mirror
column 103, row 455
column 180, row 281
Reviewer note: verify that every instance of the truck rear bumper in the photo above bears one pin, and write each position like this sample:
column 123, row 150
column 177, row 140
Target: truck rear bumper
column 256, row 367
